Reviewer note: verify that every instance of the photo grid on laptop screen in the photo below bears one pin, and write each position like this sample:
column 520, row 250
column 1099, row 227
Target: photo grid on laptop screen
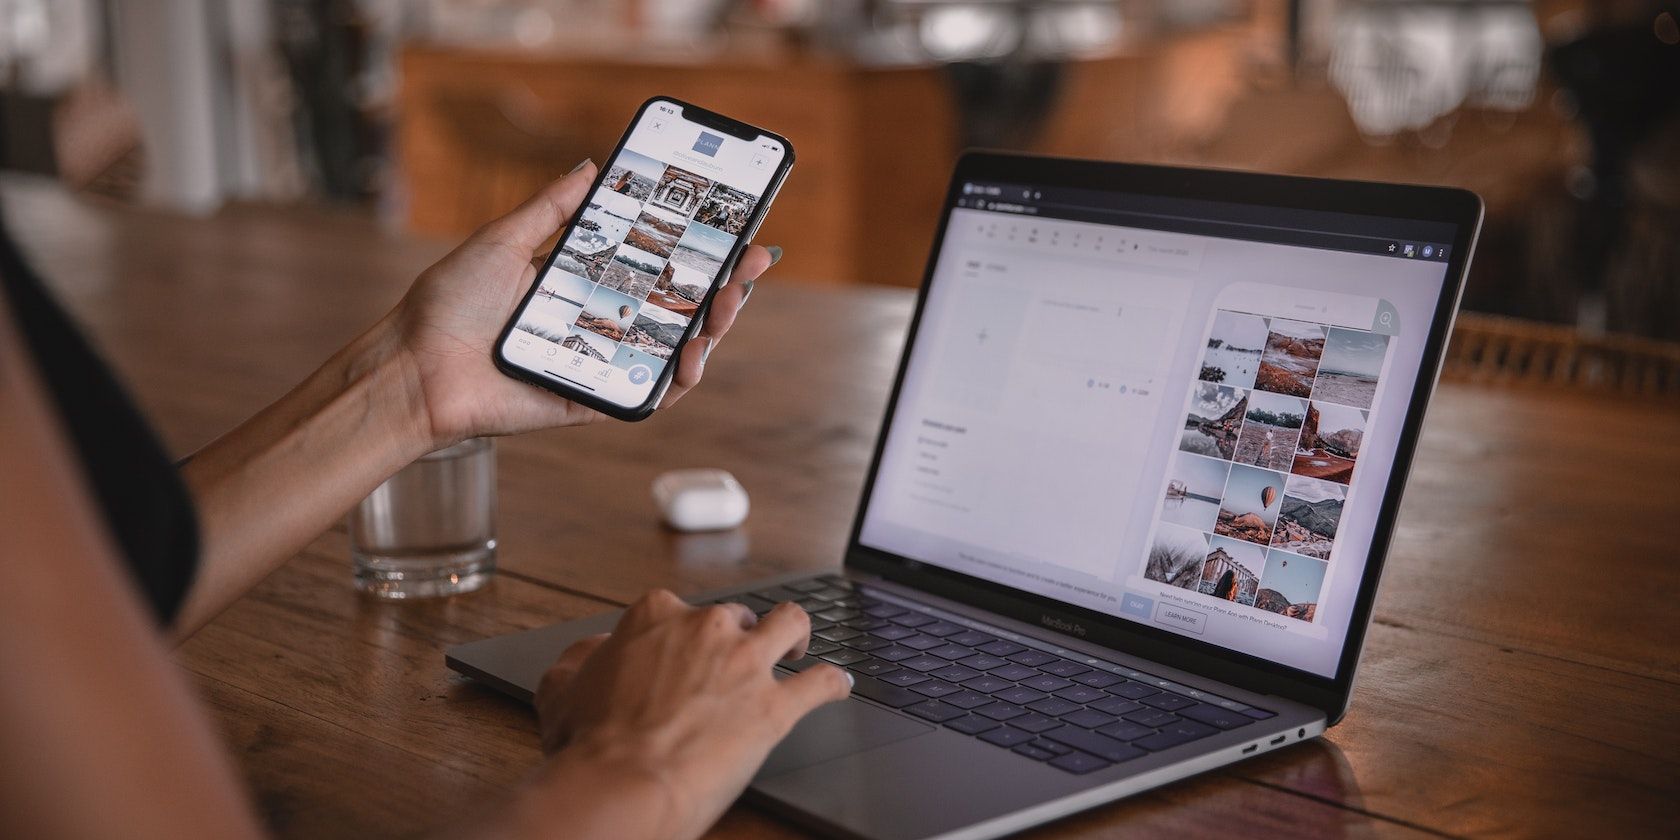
column 1188, row 431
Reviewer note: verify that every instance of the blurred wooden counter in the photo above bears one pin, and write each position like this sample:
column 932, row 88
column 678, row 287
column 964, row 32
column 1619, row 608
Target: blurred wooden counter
column 1520, row 677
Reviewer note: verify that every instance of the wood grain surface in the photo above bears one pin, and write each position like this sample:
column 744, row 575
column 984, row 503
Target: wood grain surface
column 1521, row 677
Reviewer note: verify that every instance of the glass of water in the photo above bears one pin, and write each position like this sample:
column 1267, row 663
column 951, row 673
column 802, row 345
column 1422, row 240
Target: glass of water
column 430, row 530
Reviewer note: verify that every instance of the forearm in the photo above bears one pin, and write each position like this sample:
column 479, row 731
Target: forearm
column 269, row 486
column 584, row 793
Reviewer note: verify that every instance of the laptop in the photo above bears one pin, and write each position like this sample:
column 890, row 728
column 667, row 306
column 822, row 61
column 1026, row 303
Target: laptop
column 1130, row 500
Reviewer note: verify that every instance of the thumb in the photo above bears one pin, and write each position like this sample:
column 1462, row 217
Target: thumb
column 810, row 688
column 527, row 226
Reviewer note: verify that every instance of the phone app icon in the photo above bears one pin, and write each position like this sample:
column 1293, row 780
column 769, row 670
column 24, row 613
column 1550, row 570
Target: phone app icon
column 639, row 374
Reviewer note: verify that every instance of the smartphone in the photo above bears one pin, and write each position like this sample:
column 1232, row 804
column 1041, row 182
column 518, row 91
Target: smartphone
column 634, row 273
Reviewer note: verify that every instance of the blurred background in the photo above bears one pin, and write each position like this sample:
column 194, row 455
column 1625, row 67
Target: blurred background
column 435, row 115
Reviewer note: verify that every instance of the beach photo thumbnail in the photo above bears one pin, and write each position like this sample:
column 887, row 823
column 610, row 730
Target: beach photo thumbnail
column 564, row 286
column 608, row 314
column 1250, row 506
column 1348, row 372
column 549, row 318
column 586, row 253
column 1214, row 420
column 1290, row 585
column 656, row 331
column 1330, row 440
column 726, row 209
column 632, row 271
column 609, row 214
column 1232, row 356
column 1232, row 571
column 633, row 174
column 1194, row 487
column 1307, row 521
column 1293, row 350
column 656, row 231
column 1176, row 556
column 679, row 191
column 1270, row 430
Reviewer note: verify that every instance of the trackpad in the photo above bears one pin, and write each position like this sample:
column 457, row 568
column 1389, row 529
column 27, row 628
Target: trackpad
column 839, row 729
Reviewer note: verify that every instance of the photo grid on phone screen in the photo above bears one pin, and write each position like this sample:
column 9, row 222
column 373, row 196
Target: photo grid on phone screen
column 630, row 277
column 1266, row 455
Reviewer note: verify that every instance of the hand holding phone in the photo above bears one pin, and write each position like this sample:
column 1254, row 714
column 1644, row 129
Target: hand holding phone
column 635, row 272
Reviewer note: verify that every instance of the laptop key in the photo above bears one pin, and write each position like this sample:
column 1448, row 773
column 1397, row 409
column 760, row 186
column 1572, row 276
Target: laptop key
column 1125, row 730
column 873, row 667
column 983, row 662
column 800, row 664
column 895, row 653
column 808, row 585
column 935, row 688
column 1001, row 711
column 1005, row 736
column 892, row 632
column 837, row 633
column 971, row 638
column 1054, row 706
column 864, row 622
column 1000, row 648
column 911, row 619
column 1045, row 682
column 1169, row 702
column 1088, row 718
column 812, row 604
column 924, row 663
column 1034, row 722
column 941, row 629
column 1032, row 658
column 1100, row 746
column 935, row 711
column 818, row 647
column 1098, row 679
column 1151, row 717
column 972, row 724
column 1063, row 668
column 758, row 605
column 987, row 683
column 1215, row 716
column 778, row 594
column 1051, row 746
column 1013, row 672
column 829, row 593
column 956, row 673
column 1019, row 694
column 1112, row 705
column 952, row 652
column 1079, row 763
column 1182, row 732
column 885, row 610
column 1076, row 693
column 920, row 642
column 966, row 699
column 881, row 692
column 1258, row 714
column 1132, row 690
column 844, row 656
column 1033, row 752
column 866, row 643
column 905, row 678
column 838, row 614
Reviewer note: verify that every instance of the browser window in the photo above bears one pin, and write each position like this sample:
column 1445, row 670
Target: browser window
column 1176, row 412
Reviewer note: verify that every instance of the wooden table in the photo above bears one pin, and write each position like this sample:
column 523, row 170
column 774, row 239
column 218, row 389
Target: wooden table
column 1522, row 677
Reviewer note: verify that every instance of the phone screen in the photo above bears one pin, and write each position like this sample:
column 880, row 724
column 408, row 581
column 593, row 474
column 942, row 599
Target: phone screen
column 627, row 281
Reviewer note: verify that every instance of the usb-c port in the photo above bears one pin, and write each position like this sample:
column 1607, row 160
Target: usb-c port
column 1280, row 739
column 1250, row 748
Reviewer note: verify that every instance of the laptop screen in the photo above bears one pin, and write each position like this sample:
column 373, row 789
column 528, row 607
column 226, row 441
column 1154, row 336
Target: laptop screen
column 1177, row 412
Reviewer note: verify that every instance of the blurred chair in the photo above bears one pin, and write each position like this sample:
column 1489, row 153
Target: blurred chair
column 1494, row 349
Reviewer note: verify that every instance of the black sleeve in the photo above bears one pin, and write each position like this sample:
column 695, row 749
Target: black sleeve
column 146, row 507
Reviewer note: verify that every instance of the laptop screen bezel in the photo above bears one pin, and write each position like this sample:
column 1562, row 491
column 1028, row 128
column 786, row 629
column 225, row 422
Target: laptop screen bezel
column 1459, row 208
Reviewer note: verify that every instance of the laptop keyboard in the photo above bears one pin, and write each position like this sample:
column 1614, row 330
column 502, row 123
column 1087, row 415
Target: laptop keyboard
column 1078, row 717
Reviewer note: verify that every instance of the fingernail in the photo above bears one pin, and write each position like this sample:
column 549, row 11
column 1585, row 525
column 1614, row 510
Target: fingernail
column 580, row 166
column 775, row 253
column 747, row 295
column 706, row 352
column 851, row 681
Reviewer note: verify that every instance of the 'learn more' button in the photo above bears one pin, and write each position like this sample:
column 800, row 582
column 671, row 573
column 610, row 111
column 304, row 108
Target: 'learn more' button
column 1178, row 617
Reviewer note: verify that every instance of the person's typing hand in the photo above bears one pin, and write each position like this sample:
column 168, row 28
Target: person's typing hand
column 682, row 699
